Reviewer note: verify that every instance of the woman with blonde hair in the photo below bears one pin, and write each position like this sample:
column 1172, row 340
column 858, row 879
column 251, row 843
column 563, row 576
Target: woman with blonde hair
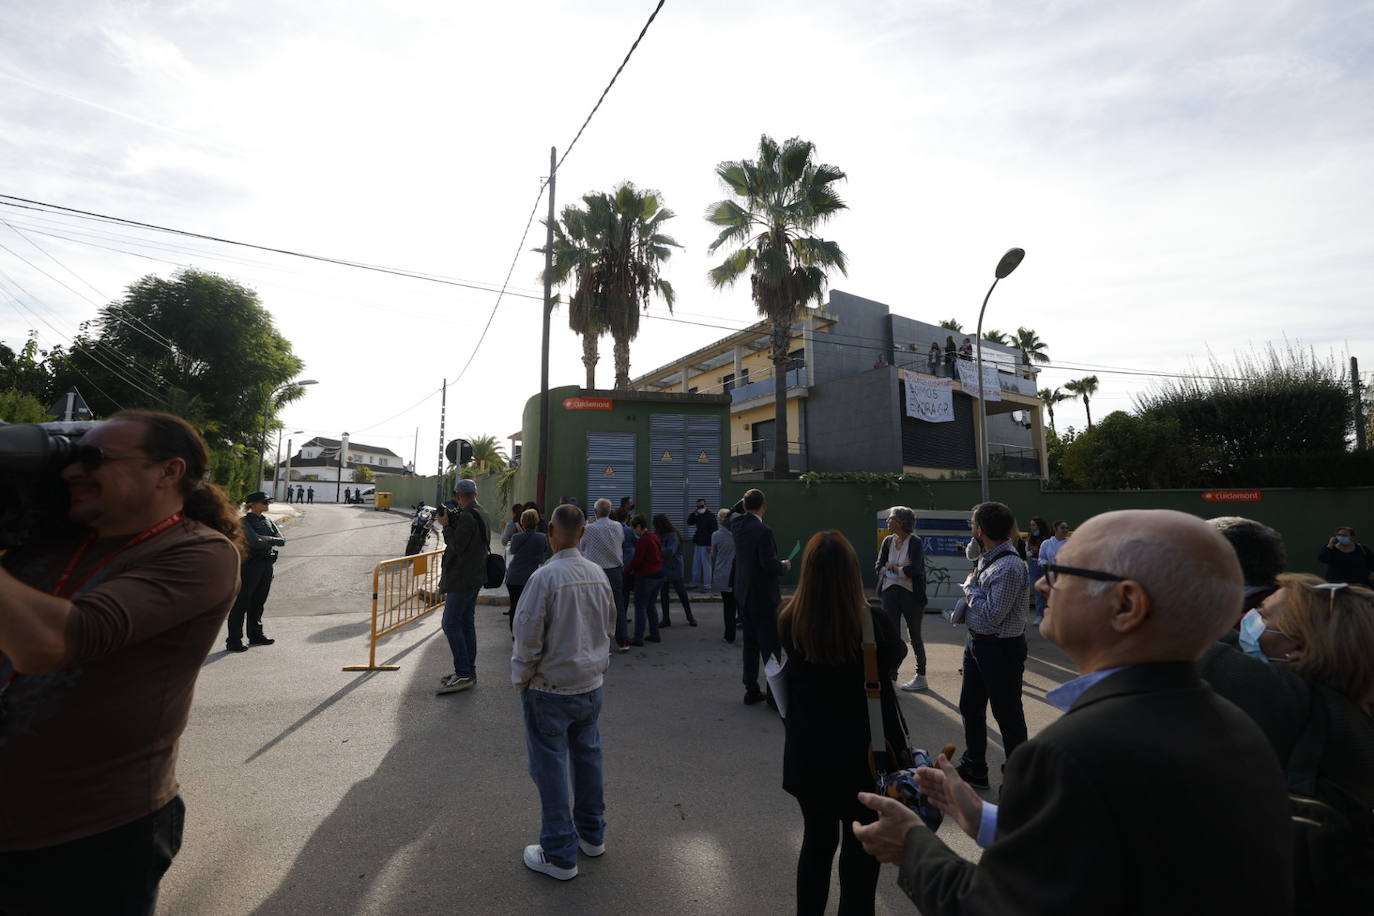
column 1322, row 635
column 826, row 760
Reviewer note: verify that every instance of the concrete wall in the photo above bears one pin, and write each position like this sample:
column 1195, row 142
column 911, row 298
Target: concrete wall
column 855, row 424
column 860, row 335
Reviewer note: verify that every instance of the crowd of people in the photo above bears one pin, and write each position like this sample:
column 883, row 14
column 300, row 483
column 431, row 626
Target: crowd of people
column 1215, row 752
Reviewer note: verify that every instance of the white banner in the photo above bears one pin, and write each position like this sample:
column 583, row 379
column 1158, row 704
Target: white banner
column 929, row 399
column 968, row 375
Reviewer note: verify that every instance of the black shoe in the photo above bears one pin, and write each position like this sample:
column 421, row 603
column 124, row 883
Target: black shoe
column 235, row 646
column 637, row 643
column 691, row 621
column 975, row 776
column 730, row 638
column 260, row 641
column 665, row 622
column 653, row 639
column 753, row 696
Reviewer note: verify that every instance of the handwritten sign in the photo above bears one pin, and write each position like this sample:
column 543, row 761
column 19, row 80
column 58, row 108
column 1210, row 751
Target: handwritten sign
column 929, row 399
column 968, row 376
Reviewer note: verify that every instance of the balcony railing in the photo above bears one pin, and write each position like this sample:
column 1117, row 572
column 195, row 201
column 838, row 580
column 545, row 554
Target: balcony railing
column 1012, row 461
column 757, row 455
column 763, row 387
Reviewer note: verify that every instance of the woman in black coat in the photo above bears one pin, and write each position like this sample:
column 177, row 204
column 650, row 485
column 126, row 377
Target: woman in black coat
column 826, row 760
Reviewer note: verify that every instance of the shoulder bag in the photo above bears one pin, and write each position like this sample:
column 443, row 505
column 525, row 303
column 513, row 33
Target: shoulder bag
column 891, row 759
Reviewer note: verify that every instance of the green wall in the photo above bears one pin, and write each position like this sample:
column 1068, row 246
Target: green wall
column 407, row 491
column 629, row 414
column 1305, row 518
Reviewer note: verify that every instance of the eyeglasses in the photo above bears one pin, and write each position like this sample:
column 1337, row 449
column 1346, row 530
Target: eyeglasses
column 1053, row 571
column 91, row 457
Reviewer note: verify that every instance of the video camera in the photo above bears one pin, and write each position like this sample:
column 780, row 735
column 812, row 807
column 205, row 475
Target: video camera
column 33, row 499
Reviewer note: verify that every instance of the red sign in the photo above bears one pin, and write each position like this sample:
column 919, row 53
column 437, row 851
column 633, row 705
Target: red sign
column 1232, row 496
column 587, row 403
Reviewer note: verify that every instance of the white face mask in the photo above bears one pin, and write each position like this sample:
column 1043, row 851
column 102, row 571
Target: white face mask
column 973, row 550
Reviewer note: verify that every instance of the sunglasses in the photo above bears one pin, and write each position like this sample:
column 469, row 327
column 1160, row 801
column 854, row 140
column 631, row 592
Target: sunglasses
column 91, row 457
column 1053, row 571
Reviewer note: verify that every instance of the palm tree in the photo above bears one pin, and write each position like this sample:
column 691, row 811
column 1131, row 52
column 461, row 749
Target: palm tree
column 1084, row 388
column 615, row 248
column 778, row 201
column 576, row 254
column 1057, row 396
column 487, row 455
column 949, row 324
column 1031, row 346
column 997, row 337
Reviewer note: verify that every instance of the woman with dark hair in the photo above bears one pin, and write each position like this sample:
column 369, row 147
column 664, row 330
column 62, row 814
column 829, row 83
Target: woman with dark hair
column 646, row 566
column 1037, row 534
column 512, row 525
column 951, row 352
column 671, row 540
column 902, row 586
column 826, row 760
column 527, row 550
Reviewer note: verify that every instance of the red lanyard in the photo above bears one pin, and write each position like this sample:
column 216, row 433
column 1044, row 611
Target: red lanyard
column 61, row 590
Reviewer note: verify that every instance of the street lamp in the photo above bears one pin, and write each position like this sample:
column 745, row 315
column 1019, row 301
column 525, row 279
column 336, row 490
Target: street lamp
column 266, row 419
column 276, row 470
column 1009, row 262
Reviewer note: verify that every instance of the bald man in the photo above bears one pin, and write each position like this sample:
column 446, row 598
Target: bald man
column 1151, row 794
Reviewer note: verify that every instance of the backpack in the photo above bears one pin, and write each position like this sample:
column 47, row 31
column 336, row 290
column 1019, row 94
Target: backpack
column 496, row 563
column 1333, row 832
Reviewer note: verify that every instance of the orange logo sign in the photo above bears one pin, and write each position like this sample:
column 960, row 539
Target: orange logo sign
column 587, row 403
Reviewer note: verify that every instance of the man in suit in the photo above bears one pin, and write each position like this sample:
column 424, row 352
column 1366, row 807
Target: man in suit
column 757, row 570
column 1164, row 797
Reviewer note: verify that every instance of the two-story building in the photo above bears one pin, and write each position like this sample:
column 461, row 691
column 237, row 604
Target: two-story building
column 847, row 395
column 318, row 459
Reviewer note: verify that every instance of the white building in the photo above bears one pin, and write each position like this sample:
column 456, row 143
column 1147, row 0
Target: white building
column 318, row 459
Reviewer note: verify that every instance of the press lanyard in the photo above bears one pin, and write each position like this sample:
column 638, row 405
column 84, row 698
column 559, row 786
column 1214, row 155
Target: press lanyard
column 62, row 591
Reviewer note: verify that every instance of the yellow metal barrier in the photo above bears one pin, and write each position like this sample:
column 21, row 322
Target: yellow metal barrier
column 403, row 591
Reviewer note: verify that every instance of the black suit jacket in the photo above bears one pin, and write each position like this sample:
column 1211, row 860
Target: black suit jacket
column 1151, row 795
column 757, row 567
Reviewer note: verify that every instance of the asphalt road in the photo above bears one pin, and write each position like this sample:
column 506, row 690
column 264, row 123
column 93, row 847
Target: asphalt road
column 313, row 790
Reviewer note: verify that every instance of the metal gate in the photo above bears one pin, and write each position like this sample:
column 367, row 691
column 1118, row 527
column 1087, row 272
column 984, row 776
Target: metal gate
column 684, row 454
column 610, row 468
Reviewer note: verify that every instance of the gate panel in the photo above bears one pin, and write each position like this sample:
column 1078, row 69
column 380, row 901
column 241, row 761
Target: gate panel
column 610, row 468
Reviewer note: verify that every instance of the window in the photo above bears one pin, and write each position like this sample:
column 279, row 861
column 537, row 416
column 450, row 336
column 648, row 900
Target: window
column 797, row 359
column 743, row 377
column 727, row 381
column 691, row 391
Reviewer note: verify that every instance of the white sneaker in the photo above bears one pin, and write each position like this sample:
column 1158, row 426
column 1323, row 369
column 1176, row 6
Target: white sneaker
column 535, row 860
column 915, row 685
column 588, row 849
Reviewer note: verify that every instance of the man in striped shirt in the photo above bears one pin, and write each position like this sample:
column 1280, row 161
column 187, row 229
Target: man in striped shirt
column 994, row 607
column 601, row 543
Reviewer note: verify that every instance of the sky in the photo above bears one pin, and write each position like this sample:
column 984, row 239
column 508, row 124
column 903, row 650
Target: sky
column 1189, row 179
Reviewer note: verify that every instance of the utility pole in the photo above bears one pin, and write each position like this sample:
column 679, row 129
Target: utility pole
column 415, row 455
column 443, row 415
column 1359, row 405
column 542, row 479
column 343, row 461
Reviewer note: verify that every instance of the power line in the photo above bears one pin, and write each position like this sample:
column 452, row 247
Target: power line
column 123, row 314
column 404, row 412
column 607, row 90
column 88, row 353
column 24, row 203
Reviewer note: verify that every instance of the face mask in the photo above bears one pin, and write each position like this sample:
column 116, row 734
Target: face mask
column 973, row 550
column 1342, row 540
column 1252, row 627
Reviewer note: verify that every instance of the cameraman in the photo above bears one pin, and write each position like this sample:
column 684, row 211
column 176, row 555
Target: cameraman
column 102, row 635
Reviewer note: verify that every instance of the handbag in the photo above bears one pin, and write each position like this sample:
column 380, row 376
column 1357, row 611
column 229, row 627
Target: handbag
column 893, row 763
column 495, row 569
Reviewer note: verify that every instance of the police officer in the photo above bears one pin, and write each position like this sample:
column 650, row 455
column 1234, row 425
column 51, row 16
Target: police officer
column 263, row 539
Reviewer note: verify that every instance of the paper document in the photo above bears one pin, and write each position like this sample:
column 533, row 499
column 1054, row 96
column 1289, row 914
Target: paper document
column 796, row 549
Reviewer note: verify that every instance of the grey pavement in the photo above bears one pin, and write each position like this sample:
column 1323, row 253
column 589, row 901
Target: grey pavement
column 314, row 790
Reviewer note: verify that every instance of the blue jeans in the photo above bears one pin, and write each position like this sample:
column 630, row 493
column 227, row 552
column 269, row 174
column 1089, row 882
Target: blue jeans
column 701, row 567
column 646, row 590
column 461, row 631
column 561, row 729
column 1036, row 571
